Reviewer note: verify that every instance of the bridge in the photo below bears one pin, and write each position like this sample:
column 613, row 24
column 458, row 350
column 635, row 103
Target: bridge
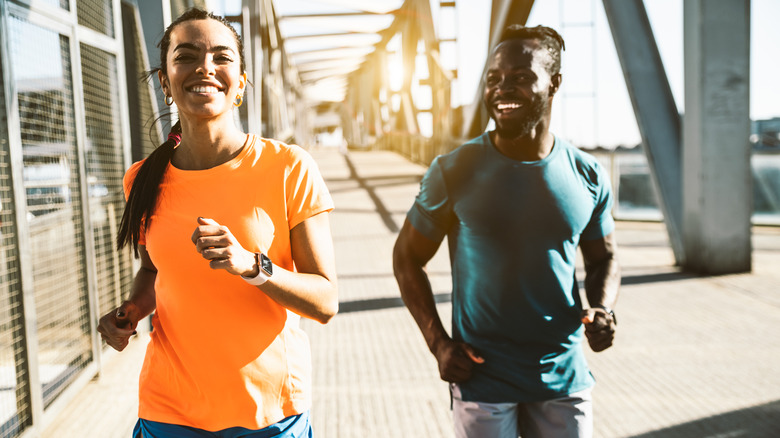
column 375, row 90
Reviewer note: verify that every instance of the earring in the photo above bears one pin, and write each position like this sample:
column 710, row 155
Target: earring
column 238, row 100
column 169, row 100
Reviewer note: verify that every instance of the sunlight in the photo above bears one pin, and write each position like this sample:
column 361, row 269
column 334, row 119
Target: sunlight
column 395, row 71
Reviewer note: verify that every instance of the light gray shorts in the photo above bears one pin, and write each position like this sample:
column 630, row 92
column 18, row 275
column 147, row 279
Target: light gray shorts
column 565, row 417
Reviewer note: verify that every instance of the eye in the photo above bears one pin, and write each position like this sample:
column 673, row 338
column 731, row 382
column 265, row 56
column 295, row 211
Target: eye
column 184, row 57
column 491, row 80
column 223, row 59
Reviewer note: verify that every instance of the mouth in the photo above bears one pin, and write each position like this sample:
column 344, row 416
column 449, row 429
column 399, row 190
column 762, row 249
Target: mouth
column 506, row 108
column 204, row 89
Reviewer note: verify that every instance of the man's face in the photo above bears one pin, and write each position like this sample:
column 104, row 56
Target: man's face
column 518, row 86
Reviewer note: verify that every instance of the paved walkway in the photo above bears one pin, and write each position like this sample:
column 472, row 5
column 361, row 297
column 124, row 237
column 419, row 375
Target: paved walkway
column 694, row 357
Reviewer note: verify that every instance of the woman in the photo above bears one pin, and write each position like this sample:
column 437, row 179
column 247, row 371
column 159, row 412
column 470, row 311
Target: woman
column 233, row 235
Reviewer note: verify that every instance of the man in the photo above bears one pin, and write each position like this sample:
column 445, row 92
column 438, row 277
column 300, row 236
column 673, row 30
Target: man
column 514, row 204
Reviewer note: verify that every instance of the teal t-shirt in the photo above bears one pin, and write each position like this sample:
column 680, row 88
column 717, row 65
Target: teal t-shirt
column 513, row 229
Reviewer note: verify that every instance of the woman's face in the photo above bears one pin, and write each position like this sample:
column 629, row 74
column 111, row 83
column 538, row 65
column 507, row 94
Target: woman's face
column 204, row 69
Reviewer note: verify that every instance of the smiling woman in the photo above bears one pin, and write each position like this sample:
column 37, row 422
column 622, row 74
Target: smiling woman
column 205, row 75
column 233, row 235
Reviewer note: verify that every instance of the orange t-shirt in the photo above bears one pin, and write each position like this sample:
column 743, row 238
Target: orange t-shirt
column 222, row 353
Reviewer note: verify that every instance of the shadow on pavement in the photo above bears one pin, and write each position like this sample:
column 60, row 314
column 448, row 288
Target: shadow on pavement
column 660, row 277
column 384, row 303
column 386, row 216
column 761, row 421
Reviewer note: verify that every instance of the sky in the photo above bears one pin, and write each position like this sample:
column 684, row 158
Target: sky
column 593, row 107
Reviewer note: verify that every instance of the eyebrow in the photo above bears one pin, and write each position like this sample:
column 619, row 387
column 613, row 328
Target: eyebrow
column 191, row 46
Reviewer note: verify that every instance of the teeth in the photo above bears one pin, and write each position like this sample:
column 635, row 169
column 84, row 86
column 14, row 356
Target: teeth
column 506, row 106
column 204, row 89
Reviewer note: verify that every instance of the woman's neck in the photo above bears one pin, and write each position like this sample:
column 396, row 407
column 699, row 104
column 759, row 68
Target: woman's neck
column 207, row 144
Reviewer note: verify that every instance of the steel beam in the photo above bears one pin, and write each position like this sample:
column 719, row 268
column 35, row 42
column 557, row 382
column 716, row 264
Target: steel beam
column 335, row 52
column 332, row 15
column 29, row 365
column 717, row 184
column 319, row 36
column 329, row 63
column 253, row 52
column 311, row 75
column 155, row 17
column 654, row 107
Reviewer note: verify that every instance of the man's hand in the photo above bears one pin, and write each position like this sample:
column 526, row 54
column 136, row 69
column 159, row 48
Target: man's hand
column 456, row 360
column 599, row 328
column 216, row 244
column 117, row 326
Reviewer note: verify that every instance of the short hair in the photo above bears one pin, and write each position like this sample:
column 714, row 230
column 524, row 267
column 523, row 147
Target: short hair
column 548, row 38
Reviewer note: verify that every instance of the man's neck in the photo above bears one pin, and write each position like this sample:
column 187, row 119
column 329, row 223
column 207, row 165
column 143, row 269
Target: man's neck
column 532, row 147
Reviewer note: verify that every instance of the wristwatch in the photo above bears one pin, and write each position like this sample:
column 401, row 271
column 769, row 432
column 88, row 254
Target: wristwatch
column 265, row 269
column 609, row 311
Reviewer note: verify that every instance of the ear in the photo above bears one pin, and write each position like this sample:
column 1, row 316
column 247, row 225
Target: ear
column 242, row 82
column 163, row 81
column 555, row 83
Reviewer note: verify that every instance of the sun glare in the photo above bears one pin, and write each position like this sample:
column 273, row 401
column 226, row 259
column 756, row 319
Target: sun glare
column 395, row 70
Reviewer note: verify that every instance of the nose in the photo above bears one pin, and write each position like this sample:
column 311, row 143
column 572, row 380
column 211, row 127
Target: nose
column 206, row 67
column 504, row 84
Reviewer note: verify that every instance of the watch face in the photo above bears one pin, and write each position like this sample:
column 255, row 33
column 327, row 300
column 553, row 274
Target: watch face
column 265, row 264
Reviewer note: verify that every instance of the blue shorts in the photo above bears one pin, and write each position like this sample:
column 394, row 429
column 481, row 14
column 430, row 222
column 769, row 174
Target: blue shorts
column 296, row 426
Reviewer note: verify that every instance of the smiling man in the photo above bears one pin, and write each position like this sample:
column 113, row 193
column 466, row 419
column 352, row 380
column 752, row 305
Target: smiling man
column 515, row 203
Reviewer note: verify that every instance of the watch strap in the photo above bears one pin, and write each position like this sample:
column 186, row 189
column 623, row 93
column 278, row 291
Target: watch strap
column 263, row 273
column 609, row 311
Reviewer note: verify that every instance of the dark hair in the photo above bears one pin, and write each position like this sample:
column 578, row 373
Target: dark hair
column 548, row 38
column 195, row 14
column 142, row 200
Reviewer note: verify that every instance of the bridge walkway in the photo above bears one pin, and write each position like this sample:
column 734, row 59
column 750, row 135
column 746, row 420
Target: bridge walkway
column 694, row 356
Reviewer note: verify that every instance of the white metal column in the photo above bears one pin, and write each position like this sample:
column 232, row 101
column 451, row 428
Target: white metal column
column 717, row 186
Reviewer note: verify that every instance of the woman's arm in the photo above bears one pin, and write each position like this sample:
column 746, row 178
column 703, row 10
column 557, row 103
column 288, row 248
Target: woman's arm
column 117, row 326
column 310, row 292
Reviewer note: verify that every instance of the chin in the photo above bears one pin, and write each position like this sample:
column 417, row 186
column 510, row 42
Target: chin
column 516, row 128
column 522, row 125
column 207, row 111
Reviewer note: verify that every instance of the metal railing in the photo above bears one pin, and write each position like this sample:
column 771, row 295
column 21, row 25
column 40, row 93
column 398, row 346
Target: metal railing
column 64, row 146
column 635, row 194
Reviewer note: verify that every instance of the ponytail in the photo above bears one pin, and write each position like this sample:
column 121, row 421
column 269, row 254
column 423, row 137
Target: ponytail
column 142, row 199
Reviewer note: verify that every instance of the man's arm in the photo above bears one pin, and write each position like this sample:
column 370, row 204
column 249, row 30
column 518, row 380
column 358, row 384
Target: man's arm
column 411, row 253
column 117, row 326
column 602, row 283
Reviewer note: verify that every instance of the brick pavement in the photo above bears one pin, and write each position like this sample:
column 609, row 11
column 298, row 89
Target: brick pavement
column 694, row 357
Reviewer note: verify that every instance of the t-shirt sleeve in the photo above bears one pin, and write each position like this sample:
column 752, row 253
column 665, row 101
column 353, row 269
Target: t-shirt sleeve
column 306, row 192
column 127, row 184
column 601, row 222
column 432, row 213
